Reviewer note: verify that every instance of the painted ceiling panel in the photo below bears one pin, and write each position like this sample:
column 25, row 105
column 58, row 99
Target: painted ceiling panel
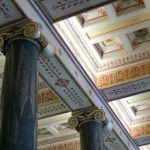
column 61, row 81
column 9, row 12
column 127, row 89
column 59, row 9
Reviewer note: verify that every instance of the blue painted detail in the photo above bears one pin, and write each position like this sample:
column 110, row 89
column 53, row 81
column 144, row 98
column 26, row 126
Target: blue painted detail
column 127, row 89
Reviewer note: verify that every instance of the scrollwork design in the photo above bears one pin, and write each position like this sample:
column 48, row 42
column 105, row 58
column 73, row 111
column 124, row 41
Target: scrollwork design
column 73, row 122
column 99, row 115
column 31, row 30
column 94, row 114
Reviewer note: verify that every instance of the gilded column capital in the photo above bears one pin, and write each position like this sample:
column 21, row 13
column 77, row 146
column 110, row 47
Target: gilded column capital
column 1, row 43
column 78, row 118
column 30, row 30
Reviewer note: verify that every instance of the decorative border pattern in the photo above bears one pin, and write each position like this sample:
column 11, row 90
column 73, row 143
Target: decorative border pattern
column 61, row 138
column 140, row 131
column 123, row 75
column 111, row 140
column 59, row 80
column 127, row 89
column 125, row 60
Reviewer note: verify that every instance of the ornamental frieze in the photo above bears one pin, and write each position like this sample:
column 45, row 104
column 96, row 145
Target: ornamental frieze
column 71, row 142
column 124, row 75
column 47, row 96
column 140, row 131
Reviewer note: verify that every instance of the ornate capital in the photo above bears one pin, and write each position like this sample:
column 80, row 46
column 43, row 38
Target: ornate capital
column 78, row 118
column 1, row 42
column 30, row 30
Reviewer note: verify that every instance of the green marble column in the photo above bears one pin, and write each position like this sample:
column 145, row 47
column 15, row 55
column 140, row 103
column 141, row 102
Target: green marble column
column 91, row 135
column 19, row 96
column 90, row 124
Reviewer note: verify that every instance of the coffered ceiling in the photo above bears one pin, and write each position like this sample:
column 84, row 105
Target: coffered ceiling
column 111, row 43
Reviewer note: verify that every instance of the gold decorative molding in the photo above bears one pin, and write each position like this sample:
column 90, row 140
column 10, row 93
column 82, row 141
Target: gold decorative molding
column 121, row 76
column 87, row 115
column 140, row 131
column 47, row 96
column 126, row 60
column 31, row 29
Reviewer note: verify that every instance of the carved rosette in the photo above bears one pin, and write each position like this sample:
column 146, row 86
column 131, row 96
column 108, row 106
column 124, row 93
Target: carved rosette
column 77, row 119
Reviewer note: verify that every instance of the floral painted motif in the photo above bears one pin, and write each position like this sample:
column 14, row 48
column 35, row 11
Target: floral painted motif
column 110, row 45
column 124, row 75
column 62, row 82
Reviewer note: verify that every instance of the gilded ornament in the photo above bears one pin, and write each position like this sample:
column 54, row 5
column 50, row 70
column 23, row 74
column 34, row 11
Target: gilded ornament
column 99, row 115
column 31, row 29
column 1, row 42
column 87, row 115
column 73, row 122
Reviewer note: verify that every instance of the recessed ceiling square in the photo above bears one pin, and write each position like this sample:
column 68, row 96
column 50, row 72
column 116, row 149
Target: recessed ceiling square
column 123, row 7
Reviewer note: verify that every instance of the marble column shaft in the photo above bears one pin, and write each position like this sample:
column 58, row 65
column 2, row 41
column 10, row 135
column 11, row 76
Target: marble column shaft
column 91, row 135
column 19, row 96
